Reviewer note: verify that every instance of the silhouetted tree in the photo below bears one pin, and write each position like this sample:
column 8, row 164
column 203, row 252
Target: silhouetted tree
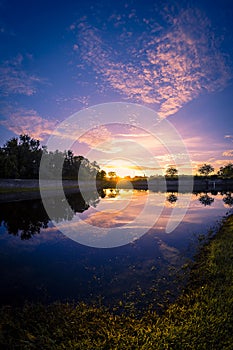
column 112, row 174
column 171, row 172
column 101, row 175
column 20, row 158
column 226, row 171
column 206, row 169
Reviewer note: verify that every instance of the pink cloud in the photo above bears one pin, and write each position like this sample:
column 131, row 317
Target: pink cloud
column 96, row 136
column 29, row 122
column 82, row 100
column 228, row 153
column 169, row 69
column 15, row 80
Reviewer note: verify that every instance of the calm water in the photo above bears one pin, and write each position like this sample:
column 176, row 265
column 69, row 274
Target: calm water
column 40, row 263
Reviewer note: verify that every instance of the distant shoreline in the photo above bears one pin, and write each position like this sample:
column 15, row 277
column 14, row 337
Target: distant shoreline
column 26, row 189
column 199, row 185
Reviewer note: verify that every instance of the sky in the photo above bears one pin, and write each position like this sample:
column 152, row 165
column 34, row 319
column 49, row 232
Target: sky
column 175, row 57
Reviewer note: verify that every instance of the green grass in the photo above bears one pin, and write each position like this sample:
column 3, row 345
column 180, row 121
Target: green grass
column 18, row 190
column 202, row 317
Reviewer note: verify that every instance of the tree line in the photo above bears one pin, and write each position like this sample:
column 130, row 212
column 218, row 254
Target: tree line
column 205, row 170
column 20, row 158
column 223, row 172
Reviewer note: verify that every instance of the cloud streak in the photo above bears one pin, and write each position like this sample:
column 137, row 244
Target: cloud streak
column 228, row 153
column 15, row 80
column 29, row 122
column 168, row 66
column 96, row 136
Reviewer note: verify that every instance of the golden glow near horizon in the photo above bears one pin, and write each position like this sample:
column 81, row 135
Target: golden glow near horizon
column 123, row 168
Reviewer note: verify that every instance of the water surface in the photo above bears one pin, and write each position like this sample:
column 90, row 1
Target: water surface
column 39, row 263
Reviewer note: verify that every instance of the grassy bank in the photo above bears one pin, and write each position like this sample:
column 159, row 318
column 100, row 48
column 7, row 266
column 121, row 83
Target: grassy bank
column 202, row 318
column 18, row 189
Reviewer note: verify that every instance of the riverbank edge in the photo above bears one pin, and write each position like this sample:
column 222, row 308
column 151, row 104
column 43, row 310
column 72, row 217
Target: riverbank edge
column 201, row 318
column 26, row 189
column 23, row 189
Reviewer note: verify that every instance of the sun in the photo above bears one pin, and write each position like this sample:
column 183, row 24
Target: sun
column 123, row 168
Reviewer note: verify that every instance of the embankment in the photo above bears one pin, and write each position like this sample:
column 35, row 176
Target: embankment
column 20, row 189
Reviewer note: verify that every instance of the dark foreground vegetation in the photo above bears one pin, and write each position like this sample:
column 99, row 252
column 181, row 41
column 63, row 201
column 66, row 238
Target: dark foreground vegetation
column 20, row 158
column 202, row 317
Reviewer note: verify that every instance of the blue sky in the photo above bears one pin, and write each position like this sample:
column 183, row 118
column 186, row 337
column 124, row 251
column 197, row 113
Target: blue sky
column 174, row 57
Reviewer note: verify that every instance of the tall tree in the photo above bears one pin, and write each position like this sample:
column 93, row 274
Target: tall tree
column 101, row 175
column 112, row 174
column 21, row 157
column 171, row 171
column 226, row 171
column 206, row 169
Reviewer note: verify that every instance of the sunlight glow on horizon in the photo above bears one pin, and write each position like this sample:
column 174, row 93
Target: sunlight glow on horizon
column 123, row 168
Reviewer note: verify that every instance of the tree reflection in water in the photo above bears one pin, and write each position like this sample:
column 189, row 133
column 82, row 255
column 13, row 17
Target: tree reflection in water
column 228, row 199
column 205, row 199
column 172, row 198
column 111, row 192
column 23, row 218
column 26, row 218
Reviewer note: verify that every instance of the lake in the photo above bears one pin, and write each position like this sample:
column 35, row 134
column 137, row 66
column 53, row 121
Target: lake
column 40, row 263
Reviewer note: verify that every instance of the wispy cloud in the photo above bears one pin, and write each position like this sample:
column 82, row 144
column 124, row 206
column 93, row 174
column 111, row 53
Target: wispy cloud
column 135, row 167
column 96, row 136
column 228, row 153
column 14, row 79
column 82, row 100
column 168, row 65
column 29, row 122
column 228, row 137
